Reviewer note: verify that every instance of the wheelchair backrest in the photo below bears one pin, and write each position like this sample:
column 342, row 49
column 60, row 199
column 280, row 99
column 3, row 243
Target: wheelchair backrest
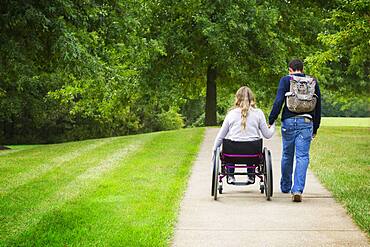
column 249, row 152
column 236, row 147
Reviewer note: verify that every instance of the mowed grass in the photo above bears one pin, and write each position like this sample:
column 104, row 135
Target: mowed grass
column 122, row 191
column 340, row 157
column 345, row 121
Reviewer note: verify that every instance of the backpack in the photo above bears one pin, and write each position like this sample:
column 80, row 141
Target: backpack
column 302, row 97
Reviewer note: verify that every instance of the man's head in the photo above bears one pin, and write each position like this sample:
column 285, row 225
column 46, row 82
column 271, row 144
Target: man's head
column 295, row 66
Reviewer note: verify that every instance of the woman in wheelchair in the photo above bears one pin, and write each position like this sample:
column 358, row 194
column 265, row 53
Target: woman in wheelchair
column 244, row 122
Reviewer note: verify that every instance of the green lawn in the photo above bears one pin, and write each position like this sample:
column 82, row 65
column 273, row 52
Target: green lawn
column 340, row 158
column 345, row 121
column 122, row 191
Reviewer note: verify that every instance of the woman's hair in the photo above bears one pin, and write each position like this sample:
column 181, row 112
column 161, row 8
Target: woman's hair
column 244, row 99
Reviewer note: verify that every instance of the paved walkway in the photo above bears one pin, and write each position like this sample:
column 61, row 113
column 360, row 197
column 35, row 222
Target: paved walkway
column 243, row 217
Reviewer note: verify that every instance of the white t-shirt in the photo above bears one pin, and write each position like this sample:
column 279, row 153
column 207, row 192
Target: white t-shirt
column 232, row 127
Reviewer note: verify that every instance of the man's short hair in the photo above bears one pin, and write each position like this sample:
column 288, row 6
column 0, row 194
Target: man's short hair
column 296, row 64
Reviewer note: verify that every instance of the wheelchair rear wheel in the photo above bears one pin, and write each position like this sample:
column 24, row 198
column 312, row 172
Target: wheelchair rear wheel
column 216, row 167
column 213, row 174
column 268, row 180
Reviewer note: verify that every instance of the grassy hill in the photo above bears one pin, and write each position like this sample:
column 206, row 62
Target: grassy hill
column 122, row 191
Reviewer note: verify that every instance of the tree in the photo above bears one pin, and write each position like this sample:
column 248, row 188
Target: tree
column 63, row 63
column 204, row 42
column 72, row 69
column 343, row 63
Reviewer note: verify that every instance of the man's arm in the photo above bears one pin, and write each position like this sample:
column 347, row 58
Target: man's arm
column 279, row 100
column 317, row 116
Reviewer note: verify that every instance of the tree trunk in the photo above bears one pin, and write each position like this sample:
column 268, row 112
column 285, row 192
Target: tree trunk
column 211, row 104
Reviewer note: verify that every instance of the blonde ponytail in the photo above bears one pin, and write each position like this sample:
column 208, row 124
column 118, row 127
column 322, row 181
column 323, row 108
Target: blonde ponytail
column 244, row 105
column 244, row 99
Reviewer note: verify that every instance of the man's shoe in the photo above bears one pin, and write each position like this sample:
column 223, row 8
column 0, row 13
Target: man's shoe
column 297, row 197
column 231, row 179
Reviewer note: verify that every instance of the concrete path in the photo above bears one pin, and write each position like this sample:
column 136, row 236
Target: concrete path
column 243, row 217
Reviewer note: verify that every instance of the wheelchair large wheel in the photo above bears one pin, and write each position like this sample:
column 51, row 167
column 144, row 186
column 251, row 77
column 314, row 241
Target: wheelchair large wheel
column 268, row 180
column 213, row 174
column 216, row 165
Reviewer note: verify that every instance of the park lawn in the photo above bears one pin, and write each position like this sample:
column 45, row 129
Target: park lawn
column 345, row 121
column 122, row 191
column 340, row 159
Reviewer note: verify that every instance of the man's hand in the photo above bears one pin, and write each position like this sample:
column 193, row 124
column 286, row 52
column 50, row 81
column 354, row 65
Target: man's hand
column 313, row 136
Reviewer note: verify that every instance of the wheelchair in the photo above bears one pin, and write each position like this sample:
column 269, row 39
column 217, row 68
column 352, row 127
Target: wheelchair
column 247, row 155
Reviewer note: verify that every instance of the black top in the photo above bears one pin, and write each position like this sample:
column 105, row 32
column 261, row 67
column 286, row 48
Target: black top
column 284, row 87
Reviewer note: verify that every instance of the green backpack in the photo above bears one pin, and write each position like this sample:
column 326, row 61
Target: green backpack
column 301, row 98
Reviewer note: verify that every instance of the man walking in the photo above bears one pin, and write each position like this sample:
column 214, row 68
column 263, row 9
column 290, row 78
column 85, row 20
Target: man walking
column 300, row 95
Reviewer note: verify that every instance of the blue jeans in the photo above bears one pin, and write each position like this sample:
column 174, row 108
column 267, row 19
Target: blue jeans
column 297, row 136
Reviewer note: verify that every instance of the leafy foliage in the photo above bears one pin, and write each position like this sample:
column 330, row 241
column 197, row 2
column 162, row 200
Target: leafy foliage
column 84, row 69
column 344, row 62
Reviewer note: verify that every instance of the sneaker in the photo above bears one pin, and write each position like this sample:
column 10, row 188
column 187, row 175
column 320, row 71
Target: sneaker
column 231, row 179
column 296, row 197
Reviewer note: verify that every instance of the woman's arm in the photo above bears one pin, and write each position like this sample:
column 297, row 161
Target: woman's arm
column 222, row 133
column 265, row 130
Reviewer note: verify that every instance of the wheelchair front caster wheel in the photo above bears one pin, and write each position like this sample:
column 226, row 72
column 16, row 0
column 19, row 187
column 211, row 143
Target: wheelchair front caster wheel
column 220, row 189
column 262, row 188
